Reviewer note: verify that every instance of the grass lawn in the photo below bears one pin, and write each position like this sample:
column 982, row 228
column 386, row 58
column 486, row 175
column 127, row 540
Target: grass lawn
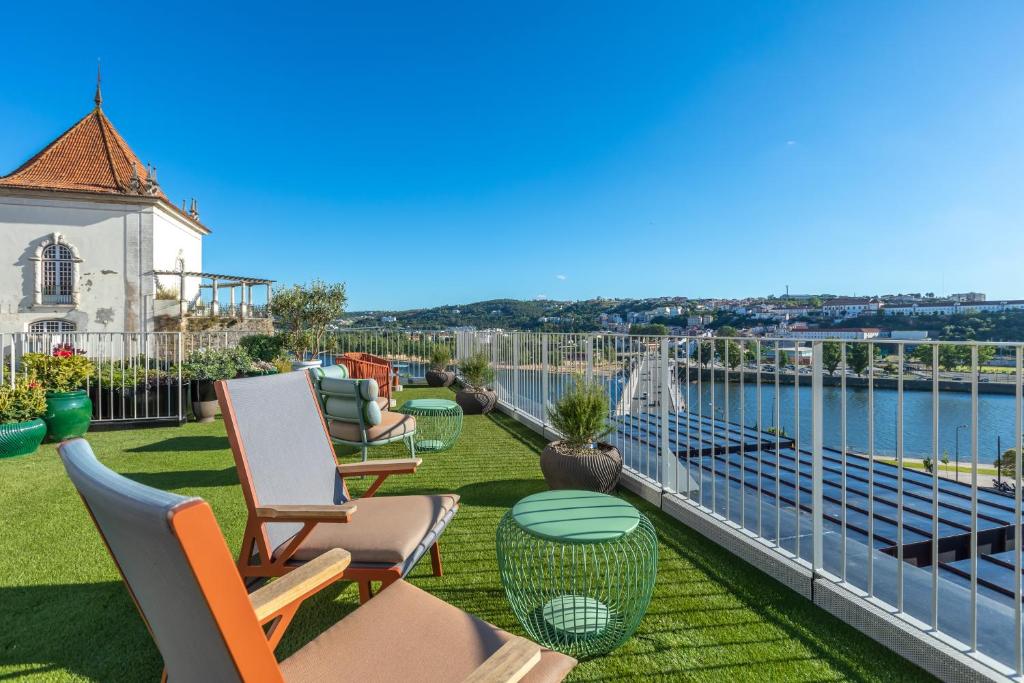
column 919, row 465
column 713, row 617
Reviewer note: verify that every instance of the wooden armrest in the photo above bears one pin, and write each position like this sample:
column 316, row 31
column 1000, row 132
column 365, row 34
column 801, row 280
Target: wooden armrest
column 307, row 513
column 509, row 664
column 299, row 584
column 399, row 466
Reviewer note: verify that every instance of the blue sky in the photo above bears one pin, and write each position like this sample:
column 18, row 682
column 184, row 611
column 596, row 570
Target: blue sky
column 430, row 153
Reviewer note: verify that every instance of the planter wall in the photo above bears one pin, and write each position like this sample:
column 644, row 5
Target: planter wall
column 439, row 378
column 135, row 402
column 68, row 414
column 475, row 401
column 597, row 470
column 21, row 438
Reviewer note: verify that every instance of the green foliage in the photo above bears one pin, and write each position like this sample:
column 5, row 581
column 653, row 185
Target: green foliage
column 59, row 373
column 783, row 358
column 214, row 364
column 858, row 356
column 440, row 357
column 166, row 293
column 265, row 347
column 581, row 414
column 25, row 401
column 703, row 353
column 945, row 458
column 477, row 370
column 831, row 356
column 927, row 462
column 652, row 329
column 304, row 311
column 1007, row 463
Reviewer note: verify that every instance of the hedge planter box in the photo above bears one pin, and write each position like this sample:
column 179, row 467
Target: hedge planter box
column 117, row 403
column 68, row 414
column 440, row 378
column 21, row 438
column 475, row 401
column 589, row 469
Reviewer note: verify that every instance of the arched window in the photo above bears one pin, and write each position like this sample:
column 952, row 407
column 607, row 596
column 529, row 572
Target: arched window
column 58, row 274
column 51, row 326
column 57, row 267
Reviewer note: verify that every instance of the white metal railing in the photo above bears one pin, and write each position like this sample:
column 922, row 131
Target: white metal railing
column 819, row 450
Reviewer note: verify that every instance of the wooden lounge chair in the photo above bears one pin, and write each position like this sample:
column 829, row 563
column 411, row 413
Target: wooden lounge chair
column 368, row 366
column 178, row 570
column 299, row 505
column 355, row 417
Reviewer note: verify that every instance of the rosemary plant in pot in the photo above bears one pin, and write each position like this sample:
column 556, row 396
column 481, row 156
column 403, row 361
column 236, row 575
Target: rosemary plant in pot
column 580, row 460
column 64, row 374
column 22, row 406
column 475, row 398
column 439, row 375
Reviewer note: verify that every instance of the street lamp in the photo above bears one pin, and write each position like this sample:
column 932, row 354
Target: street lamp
column 958, row 428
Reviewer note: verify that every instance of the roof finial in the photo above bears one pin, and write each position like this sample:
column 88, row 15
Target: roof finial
column 99, row 96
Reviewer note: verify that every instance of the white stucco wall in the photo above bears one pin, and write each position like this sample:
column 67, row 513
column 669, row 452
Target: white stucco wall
column 120, row 244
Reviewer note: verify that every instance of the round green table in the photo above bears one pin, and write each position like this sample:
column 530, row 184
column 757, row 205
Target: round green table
column 578, row 568
column 438, row 422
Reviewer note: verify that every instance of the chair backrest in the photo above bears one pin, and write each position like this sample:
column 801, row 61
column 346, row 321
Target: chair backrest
column 179, row 571
column 283, row 452
column 368, row 366
column 351, row 400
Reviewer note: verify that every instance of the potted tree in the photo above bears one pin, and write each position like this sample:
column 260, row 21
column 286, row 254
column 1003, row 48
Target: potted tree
column 64, row 373
column 21, row 409
column 202, row 368
column 580, row 460
column 304, row 312
column 475, row 398
column 439, row 375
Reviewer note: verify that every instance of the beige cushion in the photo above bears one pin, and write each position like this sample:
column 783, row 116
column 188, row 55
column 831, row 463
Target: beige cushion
column 406, row 634
column 385, row 529
column 392, row 426
column 383, row 403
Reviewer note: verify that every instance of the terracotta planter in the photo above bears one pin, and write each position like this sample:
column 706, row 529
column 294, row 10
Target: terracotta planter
column 440, row 378
column 68, row 414
column 474, row 401
column 596, row 469
column 21, row 438
column 204, row 400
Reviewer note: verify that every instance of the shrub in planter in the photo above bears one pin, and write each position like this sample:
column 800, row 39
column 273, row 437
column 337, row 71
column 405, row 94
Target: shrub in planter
column 475, row 398
column 21, row 409
column 203, row 367
column 264, row 347
column 64, row 374
column 304, row 312
column 439, row 375
column 580, row 460
column 134, row 391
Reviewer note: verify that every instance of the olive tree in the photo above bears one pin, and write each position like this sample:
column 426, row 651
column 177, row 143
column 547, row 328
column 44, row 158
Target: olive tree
column 303, row 313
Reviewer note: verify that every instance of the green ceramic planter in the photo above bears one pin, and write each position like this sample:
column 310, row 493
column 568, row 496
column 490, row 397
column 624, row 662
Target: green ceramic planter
column 21, row 438
column 67, row 414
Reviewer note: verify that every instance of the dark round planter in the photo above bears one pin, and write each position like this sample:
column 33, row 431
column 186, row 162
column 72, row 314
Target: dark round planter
column 21, row 438
column 68, row 414
column 475, row 401
column 204, row 400
column 597, row 469
column 440, row 378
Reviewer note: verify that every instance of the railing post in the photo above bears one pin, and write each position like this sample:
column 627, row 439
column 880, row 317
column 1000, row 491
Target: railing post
column 544, row 378
column 590, row 358
column 668, row 463
column 515, row 371
column 816, row 456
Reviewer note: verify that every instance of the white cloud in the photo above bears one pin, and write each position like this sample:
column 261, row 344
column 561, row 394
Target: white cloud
column 540, row 297
column 790, row 142
column 561, row 277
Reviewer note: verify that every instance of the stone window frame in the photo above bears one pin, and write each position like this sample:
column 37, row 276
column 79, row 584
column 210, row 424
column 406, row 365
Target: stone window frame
column 76, row 270
column 65, row 325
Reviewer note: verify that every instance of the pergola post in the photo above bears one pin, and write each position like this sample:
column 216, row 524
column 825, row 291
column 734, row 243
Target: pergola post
column 234, row 311
column 214, row 304
column 245, row 302
column 182, row 301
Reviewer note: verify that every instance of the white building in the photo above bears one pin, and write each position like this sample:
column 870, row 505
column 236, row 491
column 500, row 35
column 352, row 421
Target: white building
column 956, row 308
column 87, row 236
column 849, row 307
column 836, row 333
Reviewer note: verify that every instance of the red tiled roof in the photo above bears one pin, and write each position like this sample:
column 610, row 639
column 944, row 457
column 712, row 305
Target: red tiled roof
column 91, row 156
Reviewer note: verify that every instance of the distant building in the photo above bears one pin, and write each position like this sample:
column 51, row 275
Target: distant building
column 836, row 333
column 955, row 308
column 909, row 335
column 968, row 297
column 850, row 307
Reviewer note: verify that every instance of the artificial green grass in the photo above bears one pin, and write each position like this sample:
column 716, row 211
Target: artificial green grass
column 713, row 617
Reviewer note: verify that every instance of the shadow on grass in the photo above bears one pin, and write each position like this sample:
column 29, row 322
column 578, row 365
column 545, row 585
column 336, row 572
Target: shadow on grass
column 183, row 479
column 183, row 443
column 503, row 493
column 90, row 630
column 518, row 431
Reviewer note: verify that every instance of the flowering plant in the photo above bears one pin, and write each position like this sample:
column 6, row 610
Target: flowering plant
column 66, row 350
column 59, row 373
column 24, row 401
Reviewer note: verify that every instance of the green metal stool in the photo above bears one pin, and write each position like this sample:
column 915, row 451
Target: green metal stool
column 438, row 422
column 578, row 568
